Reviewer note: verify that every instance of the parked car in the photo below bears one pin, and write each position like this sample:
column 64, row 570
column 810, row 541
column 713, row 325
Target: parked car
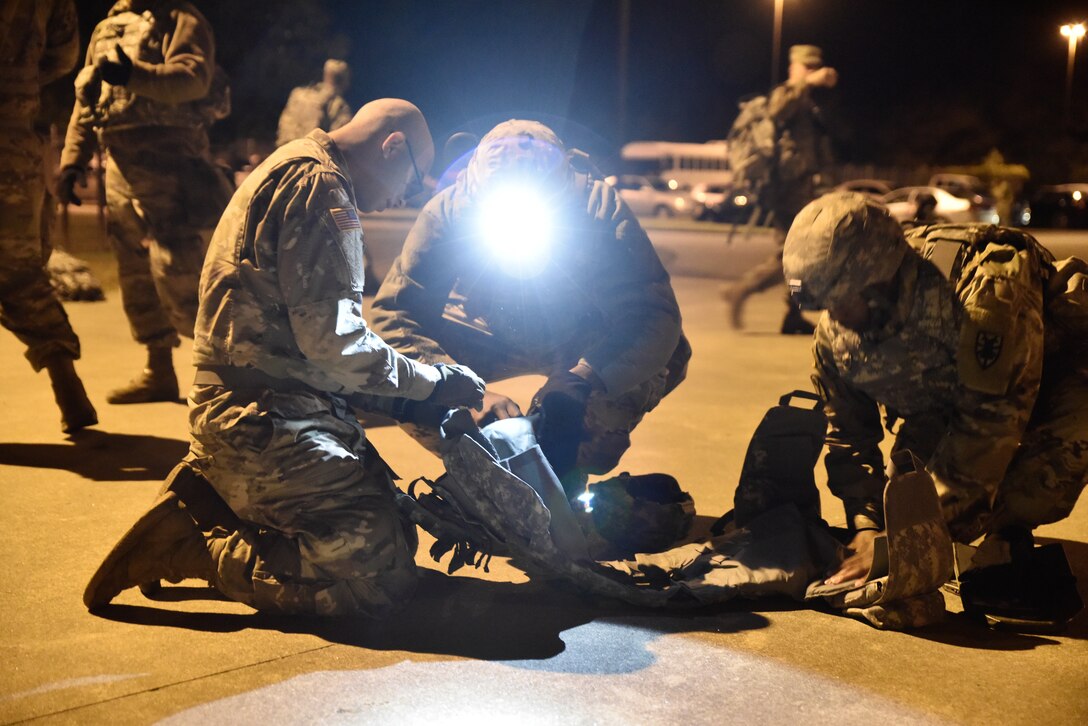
column 651, row 197
column 729, row 206
column 870, row 187
column 903, row 205
column 1061, row 205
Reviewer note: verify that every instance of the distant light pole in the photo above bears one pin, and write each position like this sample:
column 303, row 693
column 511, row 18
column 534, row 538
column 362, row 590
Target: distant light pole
column 776, row 46
column 1074, row 32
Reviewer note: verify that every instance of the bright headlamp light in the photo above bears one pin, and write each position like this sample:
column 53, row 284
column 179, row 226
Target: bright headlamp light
column 516, row 227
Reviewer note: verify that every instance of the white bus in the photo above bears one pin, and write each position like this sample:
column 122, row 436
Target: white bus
column 681, row 165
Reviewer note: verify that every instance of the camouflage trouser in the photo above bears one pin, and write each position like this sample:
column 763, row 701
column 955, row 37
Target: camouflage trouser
column 322, row 533
column 29, row 307
column 164, row 197
column 1048, row 471
column 609, row 419
column 1050, row 468
column 768, row 273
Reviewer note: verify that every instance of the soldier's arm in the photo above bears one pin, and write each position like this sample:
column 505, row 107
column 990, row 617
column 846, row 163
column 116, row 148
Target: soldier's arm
column 320, row 268
column 1000, row 364
column 411, row 300
column 855, row 464
column 787, row 100
column 61, row 44
column 633, row 290
column 79, row 140
column 188, row 63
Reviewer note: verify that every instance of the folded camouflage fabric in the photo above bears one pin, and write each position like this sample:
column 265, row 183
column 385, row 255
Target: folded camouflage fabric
column 913, row 557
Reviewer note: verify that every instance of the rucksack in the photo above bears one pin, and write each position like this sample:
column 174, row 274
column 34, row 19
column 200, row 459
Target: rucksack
column 751, row 146
column 966, row 253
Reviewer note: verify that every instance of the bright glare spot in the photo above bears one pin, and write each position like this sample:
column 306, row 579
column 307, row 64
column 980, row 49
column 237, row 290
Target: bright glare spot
column 740, row 200
column 673, row 184
column 586, row 498
column 517, row 228
column 1073, row 30
column 679, row 203
column 1077, row 195
column 699, row 196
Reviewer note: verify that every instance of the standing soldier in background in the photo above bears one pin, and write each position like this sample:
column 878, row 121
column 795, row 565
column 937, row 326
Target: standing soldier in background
column 802, row 156
column 318, row 106
column 39, row 43
column 150, row 65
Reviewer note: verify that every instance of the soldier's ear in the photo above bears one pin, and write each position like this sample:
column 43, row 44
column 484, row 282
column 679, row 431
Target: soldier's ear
column 393, row 145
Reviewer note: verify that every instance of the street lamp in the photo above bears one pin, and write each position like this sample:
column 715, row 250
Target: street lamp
column 776, row 45
column 1074, row 32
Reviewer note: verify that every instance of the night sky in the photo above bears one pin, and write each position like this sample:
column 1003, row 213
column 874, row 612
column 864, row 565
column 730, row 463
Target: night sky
column 938, row 83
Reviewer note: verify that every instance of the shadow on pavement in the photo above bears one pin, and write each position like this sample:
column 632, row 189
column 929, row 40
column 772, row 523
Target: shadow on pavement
column 102, row 456
column 961, row 631
column 457, row 616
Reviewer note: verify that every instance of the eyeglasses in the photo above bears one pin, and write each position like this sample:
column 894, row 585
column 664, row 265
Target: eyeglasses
column 415, row 187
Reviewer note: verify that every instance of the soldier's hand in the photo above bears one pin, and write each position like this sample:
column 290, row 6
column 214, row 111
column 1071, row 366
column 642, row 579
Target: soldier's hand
column 66, row 184
column 459, row 386
column 496, row 407
column 826, row 77
column 860, row 559
column 116, row 73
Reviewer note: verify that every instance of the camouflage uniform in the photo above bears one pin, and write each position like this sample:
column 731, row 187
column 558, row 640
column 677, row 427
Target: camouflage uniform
column 281, row 299
column 603, row 298
column 802, row 158
column 39, row 42
column 317, row 106
column 164, row 194
column 1000, row 419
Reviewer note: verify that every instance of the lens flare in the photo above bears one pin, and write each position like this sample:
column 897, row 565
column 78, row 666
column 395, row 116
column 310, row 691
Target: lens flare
column 516, row 225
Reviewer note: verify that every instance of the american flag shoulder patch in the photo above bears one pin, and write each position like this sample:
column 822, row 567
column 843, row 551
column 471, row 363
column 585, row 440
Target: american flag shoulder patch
column 345, row 218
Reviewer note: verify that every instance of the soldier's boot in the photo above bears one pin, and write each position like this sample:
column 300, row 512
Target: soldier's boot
column 795, row 324
column 156, row 382
column 164, row 544
column 76, row 410
column 735, row 296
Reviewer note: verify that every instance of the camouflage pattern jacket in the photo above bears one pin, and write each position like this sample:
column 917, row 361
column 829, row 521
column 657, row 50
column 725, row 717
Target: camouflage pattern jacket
column 604, row 292
column 802, row 147
column 39, row 43
column 961, row 368
column 311, row 107
column 173, row 54
column 281, row 290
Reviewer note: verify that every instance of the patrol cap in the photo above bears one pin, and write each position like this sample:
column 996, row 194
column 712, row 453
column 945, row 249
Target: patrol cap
column 808, row 55
column 838, row 245
column 519, row 147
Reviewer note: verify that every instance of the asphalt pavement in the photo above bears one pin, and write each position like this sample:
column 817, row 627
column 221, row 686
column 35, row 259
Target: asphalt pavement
column 474, row 647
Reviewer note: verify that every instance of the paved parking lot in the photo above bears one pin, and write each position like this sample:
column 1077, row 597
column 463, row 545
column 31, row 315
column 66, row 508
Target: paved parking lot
column 475, row 647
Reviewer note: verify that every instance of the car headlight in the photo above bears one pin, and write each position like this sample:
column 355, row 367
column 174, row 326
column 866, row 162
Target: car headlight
column 679, row 203
column 516, row 227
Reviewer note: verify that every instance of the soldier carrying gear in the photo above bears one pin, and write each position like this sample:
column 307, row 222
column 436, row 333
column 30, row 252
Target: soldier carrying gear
column 530, row 264
column 950, row 341
column 141, row 99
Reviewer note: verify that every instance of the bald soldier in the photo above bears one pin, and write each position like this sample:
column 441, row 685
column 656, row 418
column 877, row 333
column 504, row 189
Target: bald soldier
column 975, row 343
column 295, row 511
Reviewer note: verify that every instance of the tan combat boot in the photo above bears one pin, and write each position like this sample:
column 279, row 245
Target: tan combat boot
column 735, row 296
column 157, row 382
column 76, row 411
column 164, row 544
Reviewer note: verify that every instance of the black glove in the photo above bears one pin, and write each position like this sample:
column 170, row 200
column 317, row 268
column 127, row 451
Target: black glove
column 561, row 403
column 66, row 185
column 459, row 386
column 116, row 73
